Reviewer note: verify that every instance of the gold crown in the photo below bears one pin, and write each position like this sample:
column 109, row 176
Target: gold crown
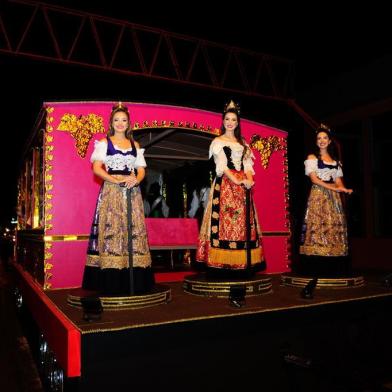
column 119, row 105
column 324, row 126
column 232, row 105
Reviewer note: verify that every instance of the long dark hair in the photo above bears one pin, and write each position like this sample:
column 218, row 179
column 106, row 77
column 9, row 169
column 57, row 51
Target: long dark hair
column 333, row 147
column 116, row 109
column 237, row 130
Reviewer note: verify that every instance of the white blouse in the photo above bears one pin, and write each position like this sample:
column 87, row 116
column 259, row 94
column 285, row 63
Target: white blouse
column 117, row 161
column 220, row 159
column 325, row 173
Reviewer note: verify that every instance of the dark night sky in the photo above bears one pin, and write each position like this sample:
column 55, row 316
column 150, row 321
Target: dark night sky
column 322, row 42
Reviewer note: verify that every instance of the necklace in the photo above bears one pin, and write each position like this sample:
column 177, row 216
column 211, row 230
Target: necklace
column 230, row 139
column 122, row 143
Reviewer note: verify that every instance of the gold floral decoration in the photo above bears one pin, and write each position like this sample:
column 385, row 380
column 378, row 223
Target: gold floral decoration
column 47, row 267
column 82, row 129
column 266, row 146
column 48, row 177
column 233, row 245
column 214, row 229
column 47, row 285
column 215, row 215
column 215, row 242
column 137, row 125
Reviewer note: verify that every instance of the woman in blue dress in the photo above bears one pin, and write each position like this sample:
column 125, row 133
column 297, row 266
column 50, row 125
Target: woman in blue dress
column 118, row 160
column 324, row 246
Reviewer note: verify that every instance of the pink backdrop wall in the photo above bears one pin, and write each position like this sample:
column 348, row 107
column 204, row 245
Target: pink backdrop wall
column 73, row 188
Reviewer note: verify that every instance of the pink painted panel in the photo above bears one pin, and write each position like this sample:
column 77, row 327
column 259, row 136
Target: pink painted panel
column 74, row 187
column 275, row 253
column 172, row 231
column 68, row 263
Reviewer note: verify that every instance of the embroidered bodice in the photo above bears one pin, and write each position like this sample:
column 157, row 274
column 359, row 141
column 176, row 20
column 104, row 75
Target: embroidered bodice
column 229, row 155
column 324, row 171
column 117, row 160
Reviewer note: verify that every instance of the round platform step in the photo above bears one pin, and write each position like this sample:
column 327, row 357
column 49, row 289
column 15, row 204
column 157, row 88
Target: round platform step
column 200, row 285
column 294, row 280
column 161, row 294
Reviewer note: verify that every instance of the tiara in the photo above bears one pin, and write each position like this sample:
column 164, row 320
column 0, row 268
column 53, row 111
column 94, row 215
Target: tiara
column 325, row 127
column 232, row 105
column 119, row 105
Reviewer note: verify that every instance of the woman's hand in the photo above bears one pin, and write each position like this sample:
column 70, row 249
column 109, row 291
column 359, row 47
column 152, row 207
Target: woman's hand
column 340, row 188
column 247, row 183
column 127, row 181
column 130, row 181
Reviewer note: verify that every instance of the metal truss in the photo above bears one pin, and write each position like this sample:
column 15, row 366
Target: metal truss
column 45, row 32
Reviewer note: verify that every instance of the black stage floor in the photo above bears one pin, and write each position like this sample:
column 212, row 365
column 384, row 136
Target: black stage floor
column 337, row 341
column 186, row 307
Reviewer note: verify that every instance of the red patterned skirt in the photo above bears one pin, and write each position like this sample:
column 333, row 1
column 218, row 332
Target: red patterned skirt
column 222, row 239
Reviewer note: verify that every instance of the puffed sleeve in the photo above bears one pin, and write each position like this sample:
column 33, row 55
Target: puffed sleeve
column 339, row 172
column 216, row 151
column 99, row 153
column 310, row 166
column 140, row 161
column 248, row 162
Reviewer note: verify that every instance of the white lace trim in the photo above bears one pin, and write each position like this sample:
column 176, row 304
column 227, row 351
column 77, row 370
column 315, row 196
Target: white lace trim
column 216, row 150
column 118, row 161
column 324, row 174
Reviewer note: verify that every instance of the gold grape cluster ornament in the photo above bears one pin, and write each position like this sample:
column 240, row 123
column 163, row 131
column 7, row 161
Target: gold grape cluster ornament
column 266, row 146
column 82, row 129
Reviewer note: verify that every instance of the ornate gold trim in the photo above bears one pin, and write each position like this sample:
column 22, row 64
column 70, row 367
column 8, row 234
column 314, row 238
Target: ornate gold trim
column 65, row 238
column 163, row 296
column 330, row 283
column 196, row 285
column 81, row 129
column 48, row 189
column 190, row 126
column 55, row 238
